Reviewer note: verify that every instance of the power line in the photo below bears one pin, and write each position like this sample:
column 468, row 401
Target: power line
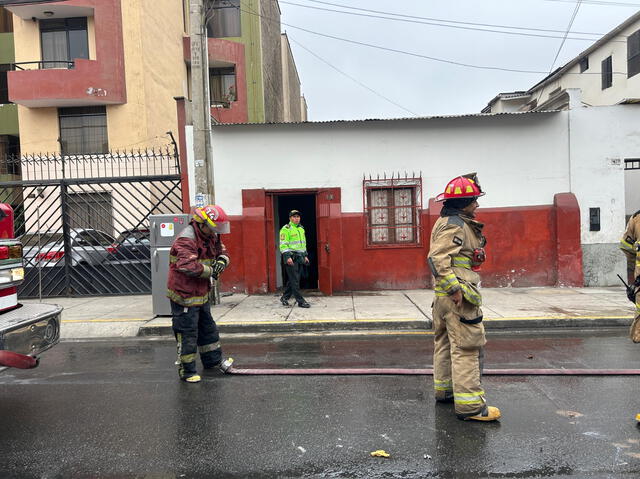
column 429, row 19
column 412, row 54
column 573, row 17
column 598, row 2
column 352, row 78
column 458, row 27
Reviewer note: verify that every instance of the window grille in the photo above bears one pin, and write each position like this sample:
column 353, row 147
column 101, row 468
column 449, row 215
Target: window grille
column 632, row 164
column 392, row 209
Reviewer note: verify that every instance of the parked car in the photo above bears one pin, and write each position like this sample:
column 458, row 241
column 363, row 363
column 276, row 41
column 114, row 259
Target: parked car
column 131, row 244
column 34, row 243
column 88, row 246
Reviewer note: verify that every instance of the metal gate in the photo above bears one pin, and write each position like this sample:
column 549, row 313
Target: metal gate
column 83, row 220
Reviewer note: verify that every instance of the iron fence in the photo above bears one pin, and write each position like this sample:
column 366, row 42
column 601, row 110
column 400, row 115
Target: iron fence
column 83, row 219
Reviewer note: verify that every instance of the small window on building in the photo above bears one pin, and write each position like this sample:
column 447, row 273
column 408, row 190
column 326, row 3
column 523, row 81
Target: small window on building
column 6, row 21
column 83, row 130
column 584, row 64
column 222, row 86
column 224, row 19
column 4, row 87
column 633, row 54
column 63, row 40
column 607, row 73
column 392, row 210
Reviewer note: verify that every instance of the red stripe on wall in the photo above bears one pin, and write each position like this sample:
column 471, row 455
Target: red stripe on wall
column 526, row 246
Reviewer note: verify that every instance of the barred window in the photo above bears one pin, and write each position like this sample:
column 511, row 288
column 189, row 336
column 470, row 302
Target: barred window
column 392, row 208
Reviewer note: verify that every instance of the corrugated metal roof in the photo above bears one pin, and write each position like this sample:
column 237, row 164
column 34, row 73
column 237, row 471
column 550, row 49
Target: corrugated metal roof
column 435, row 117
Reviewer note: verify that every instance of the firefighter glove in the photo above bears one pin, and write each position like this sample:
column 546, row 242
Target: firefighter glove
column 218, row 267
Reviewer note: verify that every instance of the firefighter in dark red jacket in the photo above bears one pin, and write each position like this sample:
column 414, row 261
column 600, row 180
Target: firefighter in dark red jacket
column 196, row 258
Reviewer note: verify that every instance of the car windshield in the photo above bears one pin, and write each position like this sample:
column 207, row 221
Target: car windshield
column 40, row 239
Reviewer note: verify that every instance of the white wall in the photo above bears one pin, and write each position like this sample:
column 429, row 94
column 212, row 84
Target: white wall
column 601, row 137
column 520, row 159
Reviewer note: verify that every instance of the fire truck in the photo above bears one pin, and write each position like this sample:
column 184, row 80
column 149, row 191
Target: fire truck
column 26, row 330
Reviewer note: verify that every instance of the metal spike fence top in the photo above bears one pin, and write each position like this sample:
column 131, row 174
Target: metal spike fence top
column 161, row 160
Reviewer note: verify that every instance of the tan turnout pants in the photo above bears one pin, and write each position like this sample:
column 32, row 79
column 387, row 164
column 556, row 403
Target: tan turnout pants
column 457, row 356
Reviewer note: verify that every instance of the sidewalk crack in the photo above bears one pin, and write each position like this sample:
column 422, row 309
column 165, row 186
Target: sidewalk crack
column 417, row 307
column 353, row 306
column 232, row 307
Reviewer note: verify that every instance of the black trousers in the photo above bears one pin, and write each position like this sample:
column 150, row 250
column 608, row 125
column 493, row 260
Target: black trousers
column 196, row 332
column 292, row 287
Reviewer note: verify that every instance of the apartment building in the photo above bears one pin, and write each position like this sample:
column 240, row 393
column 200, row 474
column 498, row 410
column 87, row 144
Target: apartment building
column 606, row 73
column 91, row 76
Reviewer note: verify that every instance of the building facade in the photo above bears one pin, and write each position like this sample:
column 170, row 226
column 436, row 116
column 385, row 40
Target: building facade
column 89, row 76
column 606, row 73
column 368, row 210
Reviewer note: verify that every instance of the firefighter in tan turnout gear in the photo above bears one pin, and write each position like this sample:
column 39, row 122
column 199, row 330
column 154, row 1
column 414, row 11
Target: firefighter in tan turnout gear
column 457, row 251
column 630, row 246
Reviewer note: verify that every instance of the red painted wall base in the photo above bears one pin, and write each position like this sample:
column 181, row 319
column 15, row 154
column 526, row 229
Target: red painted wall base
column 526, row 246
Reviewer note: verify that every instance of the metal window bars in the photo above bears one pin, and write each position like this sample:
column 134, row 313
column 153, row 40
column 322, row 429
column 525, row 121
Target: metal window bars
column 392, row 207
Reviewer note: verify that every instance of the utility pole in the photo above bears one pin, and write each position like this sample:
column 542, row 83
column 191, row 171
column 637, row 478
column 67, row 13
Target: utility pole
column 201, row 109
column 200, row 103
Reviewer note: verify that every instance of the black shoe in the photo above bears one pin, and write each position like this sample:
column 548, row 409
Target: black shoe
column 285, row 302
column 304, row 305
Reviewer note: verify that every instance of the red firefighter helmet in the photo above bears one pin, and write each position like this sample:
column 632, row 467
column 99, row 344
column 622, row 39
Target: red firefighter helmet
column 214, row 217
column 465, row 186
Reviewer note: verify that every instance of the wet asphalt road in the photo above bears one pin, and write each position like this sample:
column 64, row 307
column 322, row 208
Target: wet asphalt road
column 116, row 409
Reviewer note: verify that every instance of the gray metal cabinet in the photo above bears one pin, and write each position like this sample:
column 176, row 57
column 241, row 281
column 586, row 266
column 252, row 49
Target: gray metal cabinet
column 164, row 230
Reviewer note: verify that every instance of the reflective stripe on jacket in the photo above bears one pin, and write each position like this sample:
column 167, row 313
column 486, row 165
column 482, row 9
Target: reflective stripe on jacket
column 292, row 241
column 453, row 240
column 190, row 266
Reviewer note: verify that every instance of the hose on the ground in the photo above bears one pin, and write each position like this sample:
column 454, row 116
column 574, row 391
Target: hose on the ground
column 426, row 372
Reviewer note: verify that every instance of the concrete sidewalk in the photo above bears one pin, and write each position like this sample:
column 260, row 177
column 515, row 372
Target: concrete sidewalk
column 382, row 310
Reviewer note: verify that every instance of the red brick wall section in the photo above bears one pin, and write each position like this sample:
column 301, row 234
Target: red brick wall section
column 526, row 246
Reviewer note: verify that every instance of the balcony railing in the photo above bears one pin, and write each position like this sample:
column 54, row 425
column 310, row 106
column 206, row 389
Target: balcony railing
column 44, row 65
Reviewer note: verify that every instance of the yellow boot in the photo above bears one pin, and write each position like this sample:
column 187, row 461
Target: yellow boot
column 638, row 417
column 192, row 379
column 489, row 413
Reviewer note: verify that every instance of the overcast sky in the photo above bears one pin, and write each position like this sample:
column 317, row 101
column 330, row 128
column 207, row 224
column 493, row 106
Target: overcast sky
column 426, row 87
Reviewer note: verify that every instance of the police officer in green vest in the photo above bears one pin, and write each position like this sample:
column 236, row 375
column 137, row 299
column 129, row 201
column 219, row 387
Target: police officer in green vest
column 293, row 247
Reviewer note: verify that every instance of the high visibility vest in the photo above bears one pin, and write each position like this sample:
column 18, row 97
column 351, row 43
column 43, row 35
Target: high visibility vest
column 292, row 240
